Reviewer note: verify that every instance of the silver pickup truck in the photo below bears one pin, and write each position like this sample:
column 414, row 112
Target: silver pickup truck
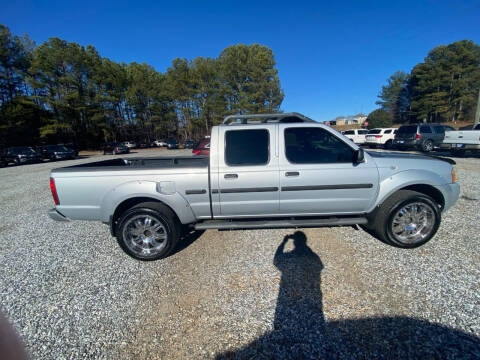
column 264, row 171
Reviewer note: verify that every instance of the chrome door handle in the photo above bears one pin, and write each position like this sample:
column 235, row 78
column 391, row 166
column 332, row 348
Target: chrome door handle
column 230, row 176
column 292, row 173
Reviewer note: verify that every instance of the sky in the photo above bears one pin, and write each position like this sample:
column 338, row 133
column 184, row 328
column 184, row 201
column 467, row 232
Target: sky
column 332, row 57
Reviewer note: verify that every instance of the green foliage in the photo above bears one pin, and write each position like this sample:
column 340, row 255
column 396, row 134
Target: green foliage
column 250, row 81
column 379, row 118
column 78, row 96
column 442, row 88
column 394, row 96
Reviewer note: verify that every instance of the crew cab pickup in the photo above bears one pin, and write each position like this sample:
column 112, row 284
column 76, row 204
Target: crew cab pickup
column 264, row 171
column 460, row 141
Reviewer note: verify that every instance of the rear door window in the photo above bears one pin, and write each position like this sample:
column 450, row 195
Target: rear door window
column 425, row 129
column 349, row 132
column 387, row 131
column 438, row 129
column 247, row 147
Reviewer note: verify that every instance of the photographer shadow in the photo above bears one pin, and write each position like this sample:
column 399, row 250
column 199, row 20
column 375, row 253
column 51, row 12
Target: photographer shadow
column 300, row 331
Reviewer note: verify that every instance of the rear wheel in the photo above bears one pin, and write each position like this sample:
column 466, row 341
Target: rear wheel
column 148, row 231
column 408, row 219
column 427, row 146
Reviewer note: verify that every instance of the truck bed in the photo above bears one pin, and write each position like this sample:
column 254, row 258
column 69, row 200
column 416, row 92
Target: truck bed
column 139, row 163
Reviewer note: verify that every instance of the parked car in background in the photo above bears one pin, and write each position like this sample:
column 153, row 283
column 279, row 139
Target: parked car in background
column 172, row 144
column 143, row 145
column 22, row 155
column 115, row 148
column 71, row 146
column 188, row 144
column 424, row 137
column 380, row 137
column 458, row 142
column 130, row 144
column 160, row 143
column 202, row 147
column 356, row 135
column 57, row 152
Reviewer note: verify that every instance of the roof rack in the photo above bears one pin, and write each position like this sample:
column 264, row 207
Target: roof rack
column 292, row 117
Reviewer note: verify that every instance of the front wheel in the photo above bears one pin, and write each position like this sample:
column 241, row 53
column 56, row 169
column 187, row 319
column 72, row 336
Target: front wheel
column 388, row 145
column 408, row 219
column 148, row 231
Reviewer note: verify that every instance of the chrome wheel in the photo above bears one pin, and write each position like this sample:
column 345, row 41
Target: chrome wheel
column 413, row 222
column 145, row 235
column 428, row 146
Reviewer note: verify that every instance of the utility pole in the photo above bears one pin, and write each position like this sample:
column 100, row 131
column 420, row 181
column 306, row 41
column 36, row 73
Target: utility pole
column 477, row 113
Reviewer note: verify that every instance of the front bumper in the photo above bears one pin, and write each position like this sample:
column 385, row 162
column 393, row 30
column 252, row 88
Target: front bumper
column 30, row 160
column 57, row 216
column 450, row 193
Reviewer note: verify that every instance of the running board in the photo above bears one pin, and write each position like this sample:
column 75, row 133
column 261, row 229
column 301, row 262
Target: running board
column 279, row 224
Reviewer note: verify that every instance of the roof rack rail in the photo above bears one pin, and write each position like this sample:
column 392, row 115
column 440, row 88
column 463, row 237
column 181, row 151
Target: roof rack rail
column 292, row 117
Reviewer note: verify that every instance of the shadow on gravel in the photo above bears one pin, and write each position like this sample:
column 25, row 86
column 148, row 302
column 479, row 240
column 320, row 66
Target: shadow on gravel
column 300, row 331
column 187, row 239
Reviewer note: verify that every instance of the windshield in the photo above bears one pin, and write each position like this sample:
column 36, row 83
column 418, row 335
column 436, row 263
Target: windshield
column 375, row 131
column 410, row 129
column 362, row 132
column 56, row 148
column 22, row 150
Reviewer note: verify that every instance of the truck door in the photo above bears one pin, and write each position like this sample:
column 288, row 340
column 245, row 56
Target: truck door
column 248, row 171
column 318, row 176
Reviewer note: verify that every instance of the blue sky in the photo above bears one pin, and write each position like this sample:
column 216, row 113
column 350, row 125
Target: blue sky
column 332, row 57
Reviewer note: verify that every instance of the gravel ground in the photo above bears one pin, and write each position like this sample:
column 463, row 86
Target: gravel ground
column 71, row 292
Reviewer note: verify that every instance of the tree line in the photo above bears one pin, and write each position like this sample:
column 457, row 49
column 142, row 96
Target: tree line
column 61, row 91
column 442, row 88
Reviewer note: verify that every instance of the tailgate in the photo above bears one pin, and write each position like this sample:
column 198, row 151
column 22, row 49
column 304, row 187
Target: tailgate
column 462, row 137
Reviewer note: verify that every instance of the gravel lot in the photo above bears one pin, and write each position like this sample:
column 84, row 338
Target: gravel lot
column 71, row 292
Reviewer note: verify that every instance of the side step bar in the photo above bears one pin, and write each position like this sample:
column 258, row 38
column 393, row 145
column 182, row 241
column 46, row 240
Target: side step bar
column 279, row 224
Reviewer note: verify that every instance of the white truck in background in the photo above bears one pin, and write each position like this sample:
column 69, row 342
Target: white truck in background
column 460, row 141
column 356, row 135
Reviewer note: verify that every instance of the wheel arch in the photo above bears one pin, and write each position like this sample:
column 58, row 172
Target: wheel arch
column 422, row 181
column 132, row 193
column 428, row 190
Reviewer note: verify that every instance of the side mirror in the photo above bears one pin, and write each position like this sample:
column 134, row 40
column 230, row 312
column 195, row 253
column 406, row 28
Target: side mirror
column 358, row 156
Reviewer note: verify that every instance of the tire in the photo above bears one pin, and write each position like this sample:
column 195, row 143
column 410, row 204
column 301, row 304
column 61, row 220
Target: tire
column 388, row 145
column 155, row 238
column 383, row 219
column 427, row 146
column 16, row 162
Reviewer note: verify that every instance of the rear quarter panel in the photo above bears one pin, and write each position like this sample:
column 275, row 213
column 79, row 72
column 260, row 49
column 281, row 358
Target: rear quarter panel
column 94, row 195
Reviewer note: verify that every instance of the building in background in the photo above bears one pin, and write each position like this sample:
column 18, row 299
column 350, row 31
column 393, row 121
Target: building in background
column 358, row 119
